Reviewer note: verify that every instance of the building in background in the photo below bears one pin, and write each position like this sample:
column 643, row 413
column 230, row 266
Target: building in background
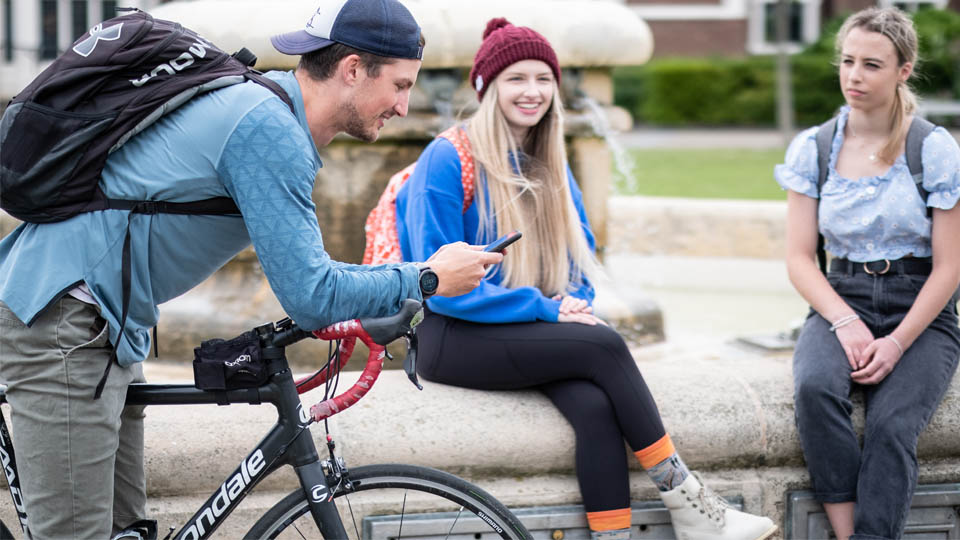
column 741, row 27
column 34, row 32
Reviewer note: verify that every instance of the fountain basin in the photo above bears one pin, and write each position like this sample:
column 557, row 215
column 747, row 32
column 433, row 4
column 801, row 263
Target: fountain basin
column 590, row 39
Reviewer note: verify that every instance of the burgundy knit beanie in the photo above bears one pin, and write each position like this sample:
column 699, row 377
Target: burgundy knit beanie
column 504, row 44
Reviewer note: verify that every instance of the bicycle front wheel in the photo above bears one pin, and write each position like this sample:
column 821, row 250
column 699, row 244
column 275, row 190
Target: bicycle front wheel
column 399, row 501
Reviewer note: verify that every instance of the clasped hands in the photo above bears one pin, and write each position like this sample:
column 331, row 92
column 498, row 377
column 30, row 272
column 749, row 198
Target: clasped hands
column 871, row 359
column 578, row 310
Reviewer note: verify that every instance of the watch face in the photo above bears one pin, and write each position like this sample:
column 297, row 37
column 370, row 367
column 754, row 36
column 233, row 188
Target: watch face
column 428, row 281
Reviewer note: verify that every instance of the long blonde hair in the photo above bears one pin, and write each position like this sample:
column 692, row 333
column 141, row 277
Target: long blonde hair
column 529, row 194
column 898, row 28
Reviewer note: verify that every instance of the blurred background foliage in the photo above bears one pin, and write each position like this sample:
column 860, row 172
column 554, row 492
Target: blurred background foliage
column 741, row 91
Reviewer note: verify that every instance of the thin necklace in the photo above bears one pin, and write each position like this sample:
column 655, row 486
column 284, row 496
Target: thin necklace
column 853, row 133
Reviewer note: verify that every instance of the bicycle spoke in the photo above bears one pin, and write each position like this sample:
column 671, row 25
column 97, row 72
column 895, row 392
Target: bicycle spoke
column 353, row 518
column 455, row 520
column 299, row 531
column 403, row 510
column 399, row 502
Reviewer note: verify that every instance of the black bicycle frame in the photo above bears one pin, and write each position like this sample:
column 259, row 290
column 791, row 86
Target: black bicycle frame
column 8, row 461
column 289, row 442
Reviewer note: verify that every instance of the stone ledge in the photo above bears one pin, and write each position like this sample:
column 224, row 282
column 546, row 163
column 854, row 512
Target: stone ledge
column 696, row 227
column 722, row 412
column 730, row 413
column 726, row 410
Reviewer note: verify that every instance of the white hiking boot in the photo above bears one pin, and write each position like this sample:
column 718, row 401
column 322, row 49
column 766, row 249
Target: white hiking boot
column 699, row 514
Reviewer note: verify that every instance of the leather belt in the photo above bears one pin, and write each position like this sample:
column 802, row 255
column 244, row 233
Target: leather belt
column 919, row 266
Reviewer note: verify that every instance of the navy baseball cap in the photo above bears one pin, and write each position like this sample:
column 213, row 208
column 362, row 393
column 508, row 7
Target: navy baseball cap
column 381, row 27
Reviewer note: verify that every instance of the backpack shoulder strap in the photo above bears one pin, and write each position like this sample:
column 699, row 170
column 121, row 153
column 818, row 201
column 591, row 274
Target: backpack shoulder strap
column 919, row 129
column 825, row 136
column 458, row 137
column 269, row 84
column 824, row 141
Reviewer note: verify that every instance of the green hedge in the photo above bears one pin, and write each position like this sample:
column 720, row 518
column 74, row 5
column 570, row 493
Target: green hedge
column 939, row 69
column 724, row 91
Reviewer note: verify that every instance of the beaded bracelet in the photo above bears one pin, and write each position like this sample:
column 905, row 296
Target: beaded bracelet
column 843, row 321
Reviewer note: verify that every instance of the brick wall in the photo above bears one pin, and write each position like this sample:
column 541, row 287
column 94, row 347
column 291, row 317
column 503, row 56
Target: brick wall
column 681, row 38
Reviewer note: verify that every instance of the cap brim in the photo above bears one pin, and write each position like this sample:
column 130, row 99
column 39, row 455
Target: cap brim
column 299, row 42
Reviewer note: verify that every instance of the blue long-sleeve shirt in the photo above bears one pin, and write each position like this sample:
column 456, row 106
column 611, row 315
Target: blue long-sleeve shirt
column 243, row 142
column 430, row 214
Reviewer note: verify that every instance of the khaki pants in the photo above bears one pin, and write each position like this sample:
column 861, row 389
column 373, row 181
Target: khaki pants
column 80, row 459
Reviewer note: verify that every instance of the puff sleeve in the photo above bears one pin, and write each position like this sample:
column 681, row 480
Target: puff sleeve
column 799, row 171
column 941, row 169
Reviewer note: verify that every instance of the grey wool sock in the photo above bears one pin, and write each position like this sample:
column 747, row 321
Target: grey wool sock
column 669, row 473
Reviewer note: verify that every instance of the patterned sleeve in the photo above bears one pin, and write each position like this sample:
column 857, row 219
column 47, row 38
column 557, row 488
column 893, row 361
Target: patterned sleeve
column 265, row 166
column 941, row 169
column 799, row 171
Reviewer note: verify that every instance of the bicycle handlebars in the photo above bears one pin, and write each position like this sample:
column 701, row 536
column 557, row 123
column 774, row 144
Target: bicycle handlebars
column 375, row 334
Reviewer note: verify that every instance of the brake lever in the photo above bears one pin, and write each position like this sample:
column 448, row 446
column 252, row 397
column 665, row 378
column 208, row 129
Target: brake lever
column 410, row 362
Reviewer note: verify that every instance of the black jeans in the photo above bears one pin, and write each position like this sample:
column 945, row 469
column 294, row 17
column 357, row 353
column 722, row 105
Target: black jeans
column 587, row 371
column 881, row 477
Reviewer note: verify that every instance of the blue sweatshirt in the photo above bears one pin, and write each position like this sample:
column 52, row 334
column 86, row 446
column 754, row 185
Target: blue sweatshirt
column 430, row 214
column 243, row 142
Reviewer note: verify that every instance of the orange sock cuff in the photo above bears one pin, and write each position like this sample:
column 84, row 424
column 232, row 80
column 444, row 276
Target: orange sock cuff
column 656, row 452
column 609, row 520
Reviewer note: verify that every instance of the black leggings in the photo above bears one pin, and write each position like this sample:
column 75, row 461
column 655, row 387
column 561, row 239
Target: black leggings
column 586, row 371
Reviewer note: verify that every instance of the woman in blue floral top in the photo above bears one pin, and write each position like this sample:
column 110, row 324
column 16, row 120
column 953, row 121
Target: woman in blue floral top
column 883, row 319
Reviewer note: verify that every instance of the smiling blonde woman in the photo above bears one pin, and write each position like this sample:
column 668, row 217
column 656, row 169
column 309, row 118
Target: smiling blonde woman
column 530, row 323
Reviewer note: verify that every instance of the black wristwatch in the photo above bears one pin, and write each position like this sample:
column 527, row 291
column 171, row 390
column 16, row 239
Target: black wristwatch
column 428, row 282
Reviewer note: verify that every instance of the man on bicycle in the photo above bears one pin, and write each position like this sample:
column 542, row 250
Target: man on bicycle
column 60, row 286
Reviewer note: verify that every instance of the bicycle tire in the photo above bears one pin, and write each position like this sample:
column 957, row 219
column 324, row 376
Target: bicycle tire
column 5, row 533
column 499, row 520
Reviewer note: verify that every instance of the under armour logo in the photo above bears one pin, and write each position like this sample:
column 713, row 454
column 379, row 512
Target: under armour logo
column 98, row 32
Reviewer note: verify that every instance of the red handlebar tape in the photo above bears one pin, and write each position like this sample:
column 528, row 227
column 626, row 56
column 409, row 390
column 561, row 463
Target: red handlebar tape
column 347, row 332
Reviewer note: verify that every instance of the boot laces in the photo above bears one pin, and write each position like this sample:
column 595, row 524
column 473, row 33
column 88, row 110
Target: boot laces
column 713, row 506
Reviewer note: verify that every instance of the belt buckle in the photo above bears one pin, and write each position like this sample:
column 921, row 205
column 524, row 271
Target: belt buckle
column 881, row 272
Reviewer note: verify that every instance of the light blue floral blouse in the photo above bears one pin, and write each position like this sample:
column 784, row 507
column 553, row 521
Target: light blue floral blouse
column 874, row 217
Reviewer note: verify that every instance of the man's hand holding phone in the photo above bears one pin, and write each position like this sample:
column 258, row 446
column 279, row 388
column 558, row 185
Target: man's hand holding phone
column 501, row 243
column 459, row 267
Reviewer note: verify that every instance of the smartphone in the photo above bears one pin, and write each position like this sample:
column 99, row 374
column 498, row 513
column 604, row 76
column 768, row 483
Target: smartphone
column 503, row 241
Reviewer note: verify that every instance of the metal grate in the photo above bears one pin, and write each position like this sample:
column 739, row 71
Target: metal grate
column 649, row 520
column 933, row 514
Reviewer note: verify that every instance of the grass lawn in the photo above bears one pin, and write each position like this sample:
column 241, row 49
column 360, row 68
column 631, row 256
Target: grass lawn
column 707, row 174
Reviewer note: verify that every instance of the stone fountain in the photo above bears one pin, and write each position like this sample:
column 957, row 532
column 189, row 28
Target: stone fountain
column 590, row 37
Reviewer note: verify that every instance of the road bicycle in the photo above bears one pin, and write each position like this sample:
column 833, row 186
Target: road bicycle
column 332, row 500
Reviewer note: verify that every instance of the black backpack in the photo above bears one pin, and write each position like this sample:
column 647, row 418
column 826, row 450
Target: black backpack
column 919, row 129
column 114, row 82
